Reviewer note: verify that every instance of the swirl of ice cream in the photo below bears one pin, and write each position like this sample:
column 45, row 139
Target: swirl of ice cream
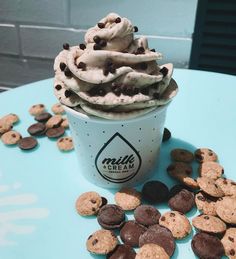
column 113, row 75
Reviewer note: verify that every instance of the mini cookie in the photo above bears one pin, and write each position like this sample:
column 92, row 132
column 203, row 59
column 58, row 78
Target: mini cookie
column 65, row 144
column 227, row 186
column 209, row 224
column 88, row 203
column 128, row 198
column 207, row 246
column 181, row 155
column 153, row 251
column 159, row 235
column 177, row 223
column 5, row 126
column 226, row 209
column 147, row 215
column 183, row 201
column 43, row 117
column 208, row 186
column 166, row 135
column 205, row 154
column 27, row 143
column 229, row 243
column 37, row 129
column 37, row 109
column 65, row 123
column 179, row 170
column 155, row 192
column 11, row 137
column 130, row 233
column 190, row 182
column 177, row 188
column 102, row 242
column 54, row 122
column 122, row 252
column 58, row 109
column 55, row 132
column 111, row 216
column 211, row 170
column 206, row 203
column 11, row 118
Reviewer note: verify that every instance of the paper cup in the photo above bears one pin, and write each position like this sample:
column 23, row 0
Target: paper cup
column 114, row 154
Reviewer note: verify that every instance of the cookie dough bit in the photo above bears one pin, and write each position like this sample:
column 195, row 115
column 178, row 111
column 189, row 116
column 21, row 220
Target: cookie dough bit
column 206, row 246
column 153, row 251
column 37, row 109
column 122, row 252
column 209, row 224
column 43, row 117
column 27, row 143
column 65, row 143
column 226, row 209
column 155, row 192
column 57, row 108
column 88, row 203
column 211, row 170
column 183, row 201
column 5, row 126
column 11, row 137
column 205, row 154
column 111, row 216
column 229, row 243
column 227, row 186
column 128, row 198
column 102, row 242
column 11, row 118
column 54, row 122
column 147, row 215
column 206, row 203
column 177, row 223
column 159, row 235
column 181, row 155
column 209, row 186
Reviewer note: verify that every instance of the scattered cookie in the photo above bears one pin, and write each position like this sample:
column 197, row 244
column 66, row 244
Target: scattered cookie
column 177, row 188
column 179, row 170
column 122, row 252
column 111, row 216
column 88, row 203
column 102, row 242
column 206, row 203
column 37, row 109
column 54, row 122
column 207, row 246
column 147, row 215
column 226, row 209
column 227, row 186
column 190, row 182
column 229, row 243
column 43, row 117
column 204, row 155
column 65, row 143
column 153, row 251
column 57, row 108
column 65, row 123
column 209, row 224
column 11, row 118
column 37, row 129
column 5, row 126
column 55, row 132
column 181, row 155
column 11, row 137
column 177, row 223
column 130, row 233
column 211, row 170
column 27, row 143
column 166, row 135
column 209, row 186
column 128, row 198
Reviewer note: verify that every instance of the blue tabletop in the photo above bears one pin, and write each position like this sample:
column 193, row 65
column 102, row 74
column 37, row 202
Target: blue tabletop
column 38, row 188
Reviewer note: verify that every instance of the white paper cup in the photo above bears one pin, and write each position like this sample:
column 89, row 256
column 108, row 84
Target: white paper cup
column 114, row 154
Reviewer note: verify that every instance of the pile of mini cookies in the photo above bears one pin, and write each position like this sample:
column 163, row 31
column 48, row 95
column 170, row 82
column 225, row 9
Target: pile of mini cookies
column 154, row 234
column 52, row 126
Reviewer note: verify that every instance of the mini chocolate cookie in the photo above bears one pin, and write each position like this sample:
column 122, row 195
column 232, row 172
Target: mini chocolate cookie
column 27, row 143
column 229, row 243
column 57, row 108
column 54, row 122
column 159, row 235
column 153, row 251
column 111, row 216
column 65, row 123
column 55, row 132
column 88, row 203
column 11, row 118
column 204, row 155
column 227, row 186
column 130, row 233
column 5, row 126
column 206, row 246
column 166, row 135
column 11, row 137
column 122, row 252
column 206, row 203
column 101, row 242
column 181, row 155
column 43, row 117
column 128, row 198
column 209, row 186
column 65, row 143
column 226, row 209
column 37, row 129
column 177, row 188
column 37, row 109
column 210, row 169
column 183, row 201
column 147, row 215
column 209, row 224
column 155, row 192
column 177, row 223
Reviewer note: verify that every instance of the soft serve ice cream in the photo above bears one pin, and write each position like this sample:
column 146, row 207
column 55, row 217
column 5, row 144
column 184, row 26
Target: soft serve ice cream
column 113, row 75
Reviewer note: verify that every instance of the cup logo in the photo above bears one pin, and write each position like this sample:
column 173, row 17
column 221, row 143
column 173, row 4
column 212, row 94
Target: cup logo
column 118, row 161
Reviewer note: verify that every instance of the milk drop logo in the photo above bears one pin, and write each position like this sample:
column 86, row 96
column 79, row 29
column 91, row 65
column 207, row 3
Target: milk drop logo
column 118, row 161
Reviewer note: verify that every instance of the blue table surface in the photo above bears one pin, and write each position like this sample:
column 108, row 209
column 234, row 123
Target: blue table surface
column 38, row 188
